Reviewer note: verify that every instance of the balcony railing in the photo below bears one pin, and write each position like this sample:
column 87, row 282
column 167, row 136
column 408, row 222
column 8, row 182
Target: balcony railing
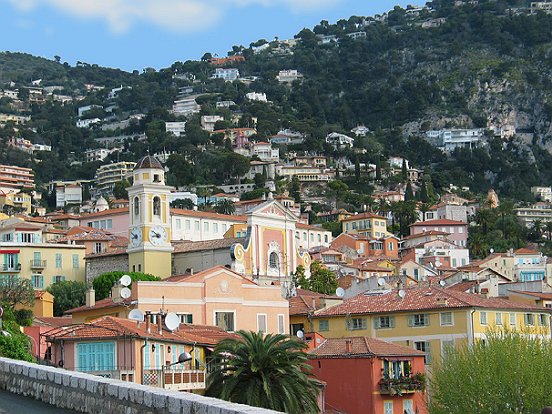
column 175, row 379
column 38, row 264
column 402, row 385
column 11, row 268
column 123, row 375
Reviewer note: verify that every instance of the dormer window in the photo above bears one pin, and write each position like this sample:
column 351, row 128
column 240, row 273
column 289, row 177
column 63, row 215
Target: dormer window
column 136, row 206
column 156, row 178
column 157, row 206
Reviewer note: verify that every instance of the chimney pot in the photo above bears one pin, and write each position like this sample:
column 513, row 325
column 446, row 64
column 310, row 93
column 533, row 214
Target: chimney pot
column 160, row 323
column 148, row 322
column 349, row 346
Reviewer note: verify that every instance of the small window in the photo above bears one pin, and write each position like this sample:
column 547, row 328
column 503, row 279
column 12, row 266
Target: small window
column 420, row 319
column 178, row 224
column 424, row 347
column 157, row 206
column 323, row 325
column 446, row 319
column 512, row 319
column 281, row 324
column 59, row 279
column 529, row 319
column 388, row 407
column 215, row 227
column 59, row 263
column 483, row 318
column 542, row 319
column 156, row 178
column 498, row 318
column 187, row 224
column 447, row 346
column 136, row 206
column 383, row 322
column 75, row 261
column 186, row 318
column 274, row 260
column 196, row 225
column 356, row 324
column 38, row 281
column 206, row 227
column 225, row 320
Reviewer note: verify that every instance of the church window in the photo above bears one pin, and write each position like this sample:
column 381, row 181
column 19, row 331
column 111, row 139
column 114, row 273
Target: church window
column 157, row 206
column 273, row 260
column 136, row 206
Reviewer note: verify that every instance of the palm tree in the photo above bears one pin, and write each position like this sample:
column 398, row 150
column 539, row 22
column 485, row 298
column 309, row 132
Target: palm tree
column 225, row 206
column 268, row 371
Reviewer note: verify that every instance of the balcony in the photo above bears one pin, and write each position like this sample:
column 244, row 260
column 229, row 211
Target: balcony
column 175, row 379
column 403, row 385
column 11, row 268
column 38, row 264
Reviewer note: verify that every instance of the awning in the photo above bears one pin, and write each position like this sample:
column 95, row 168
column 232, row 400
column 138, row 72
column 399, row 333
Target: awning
column 9, row 251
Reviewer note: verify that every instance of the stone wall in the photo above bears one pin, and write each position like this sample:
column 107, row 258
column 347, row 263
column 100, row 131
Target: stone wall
column 103, row 264
column 90, row 394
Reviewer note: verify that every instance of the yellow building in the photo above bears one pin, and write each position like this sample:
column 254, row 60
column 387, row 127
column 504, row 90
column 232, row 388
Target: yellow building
column 22, row 202
column 365, row 224
column 149, row 249
column 429, row 319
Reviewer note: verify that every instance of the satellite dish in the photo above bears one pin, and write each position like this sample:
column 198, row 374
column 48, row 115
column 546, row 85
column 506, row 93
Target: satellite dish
column 172, row 321
column 442, row 282
column 300, row 334
column 136, row 315
column 340, row 292
column 125, row 280
column 125, row 293
column 402, row 294
column 381, row 281
column 491, row 250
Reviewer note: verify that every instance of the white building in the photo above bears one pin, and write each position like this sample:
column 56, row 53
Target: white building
column 83, row 109
column 256, row 96
column 288, row 76
column 227, row 74
column 287, row 137
column 544, row 193
column 225, row 104
column 208, row 122
column 176, row 128
column 360, row 130
column 68, row 192
column 96, row 154
column 340, row 140
column 450, row 139
column 200, row 225
column 186, row 106
column 86, row 123
column 183, row 195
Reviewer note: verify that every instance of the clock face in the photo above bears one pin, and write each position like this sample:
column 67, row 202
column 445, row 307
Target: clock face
column 157, row 235
column 135, row 236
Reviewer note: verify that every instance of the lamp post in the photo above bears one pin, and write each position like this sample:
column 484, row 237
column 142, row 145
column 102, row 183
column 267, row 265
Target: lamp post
column 183, row 357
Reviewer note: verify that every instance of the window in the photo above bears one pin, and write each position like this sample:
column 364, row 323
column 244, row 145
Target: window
column 390, row 246
column 186, row 318
column 224, row 228
column 281, row 324
column 483, row 318
column 225, row 320
column 542, row 319
column 304, row 236
column 529, row 319
column 513, row 319
column 59, row 263
column 178, row 224
column 408, row 406
column 323, row 325
column 187, row 224
column 312, row 238
column 424, row 347
column 7, row 237
column 206, row 227
column 27, row 237
column 382, row 322
column 109, row 224
column 59, row 279
column 420, row 319
column 355, row 324
column 11, row 261
column 96, row 356
column 388, row 407
column 273, row 261
column 446, row 347
column 156, row 178
column 98, row 247
column 261, row 323
column 416, row 274
column 196, row 225
column 325, row 238
column 215, row 227
column 157, row 206
column 498, row 318
column 446, row 318
column 75, row 261
column 38, row 281
column 136, row 206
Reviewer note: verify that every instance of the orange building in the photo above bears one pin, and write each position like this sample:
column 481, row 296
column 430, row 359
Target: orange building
column 364, row 246
column 369, row 376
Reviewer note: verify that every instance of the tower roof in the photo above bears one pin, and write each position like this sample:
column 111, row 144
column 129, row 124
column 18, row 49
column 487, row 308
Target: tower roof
column 148, row 162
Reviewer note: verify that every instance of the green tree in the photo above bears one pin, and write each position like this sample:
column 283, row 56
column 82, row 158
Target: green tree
column 507, row 373
column 15, row 291
column 225, row 206
column 183, row 203
column 120, row 189
column 424, row 197
column 337, row 190
column 404, row 170
column 295, row 189
column 409, row 192
column 15, row 345
column 103, row 283
column 357, row 169
column 322, row 280
column 67, row 295
column 268, row 371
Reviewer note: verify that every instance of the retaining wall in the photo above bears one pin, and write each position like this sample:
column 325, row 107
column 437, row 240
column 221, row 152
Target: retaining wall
column 96, row 395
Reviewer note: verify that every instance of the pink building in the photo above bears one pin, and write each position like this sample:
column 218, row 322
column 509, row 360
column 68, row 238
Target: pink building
column 457, row 230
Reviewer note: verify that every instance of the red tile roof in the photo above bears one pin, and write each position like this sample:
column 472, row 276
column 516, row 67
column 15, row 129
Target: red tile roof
column 54, row 322
column 361, row 347
column 419, row 298
column 526, row 251
column 363, row 216
column 307, row 301
column 100, row 304
column 426, row 233
column 110, row 212
column 540, row 295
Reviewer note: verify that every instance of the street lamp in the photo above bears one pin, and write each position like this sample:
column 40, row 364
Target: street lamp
column 183, row 357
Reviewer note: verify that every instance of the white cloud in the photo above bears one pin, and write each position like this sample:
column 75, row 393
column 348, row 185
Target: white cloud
column 173, row 15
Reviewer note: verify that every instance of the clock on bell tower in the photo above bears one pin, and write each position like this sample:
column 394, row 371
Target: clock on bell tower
column 149, row 247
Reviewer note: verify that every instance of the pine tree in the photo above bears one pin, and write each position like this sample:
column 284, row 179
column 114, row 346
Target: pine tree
column 409, row 192
column 424, row 198
column 404, row 171
column 357, row 169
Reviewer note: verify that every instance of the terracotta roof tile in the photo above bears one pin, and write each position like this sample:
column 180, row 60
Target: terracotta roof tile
column 307, row 301
column 363, row 216
column 360, row 347
column 110, row 212
column 540, row 295
column 441, row 222
column 419, row 298
column 193, row 246
column 526, row 251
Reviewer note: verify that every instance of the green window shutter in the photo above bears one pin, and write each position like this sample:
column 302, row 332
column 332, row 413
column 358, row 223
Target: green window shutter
column 427, row 319
column 377, row 323
column 410, row 320
column 391, row 321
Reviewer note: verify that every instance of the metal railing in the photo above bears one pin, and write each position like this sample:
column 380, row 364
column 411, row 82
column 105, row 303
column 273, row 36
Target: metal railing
column 11, row 267
column 175, row 379
column 38, row 264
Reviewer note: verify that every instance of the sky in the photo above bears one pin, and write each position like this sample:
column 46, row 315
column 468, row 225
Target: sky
column 135, row 34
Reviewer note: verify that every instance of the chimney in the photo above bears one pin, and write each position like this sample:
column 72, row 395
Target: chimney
column 148, row 321
column 348, row 346
column 116, row 292
column 90, row 297
column 160, row 323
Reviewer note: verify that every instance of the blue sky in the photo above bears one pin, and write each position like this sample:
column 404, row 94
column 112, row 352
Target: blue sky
column 134, row 34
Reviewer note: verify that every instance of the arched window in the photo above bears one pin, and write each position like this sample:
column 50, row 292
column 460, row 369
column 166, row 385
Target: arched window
column 273, row 260
column 136, row 206
column 157, row 206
